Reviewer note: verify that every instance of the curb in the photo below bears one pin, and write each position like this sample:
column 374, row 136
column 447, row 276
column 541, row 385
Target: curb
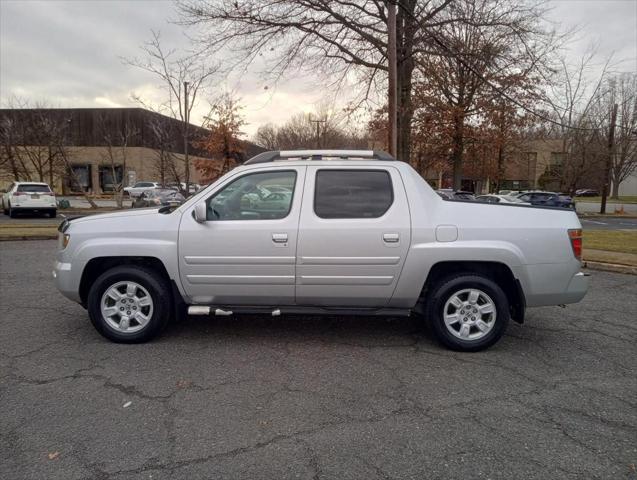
column 610, row 267
column 597, row 215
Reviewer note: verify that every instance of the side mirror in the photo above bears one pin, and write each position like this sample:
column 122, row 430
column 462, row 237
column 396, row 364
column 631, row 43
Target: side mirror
column 200, row 212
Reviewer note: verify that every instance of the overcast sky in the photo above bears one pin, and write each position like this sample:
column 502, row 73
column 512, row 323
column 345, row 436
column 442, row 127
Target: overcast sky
column 67, row 53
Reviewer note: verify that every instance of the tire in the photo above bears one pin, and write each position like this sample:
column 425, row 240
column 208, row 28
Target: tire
column 53, row 213
column 470, row 318
column 150, row 284
column 12, row 212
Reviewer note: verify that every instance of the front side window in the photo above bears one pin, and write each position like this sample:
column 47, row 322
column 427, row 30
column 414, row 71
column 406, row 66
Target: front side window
column 256, row 196
column 352, row 193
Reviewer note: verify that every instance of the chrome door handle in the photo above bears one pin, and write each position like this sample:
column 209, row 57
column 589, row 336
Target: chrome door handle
column 280, row 237
column 391, row 237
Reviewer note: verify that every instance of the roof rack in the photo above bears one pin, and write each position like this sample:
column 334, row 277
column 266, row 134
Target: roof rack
column 267, row 157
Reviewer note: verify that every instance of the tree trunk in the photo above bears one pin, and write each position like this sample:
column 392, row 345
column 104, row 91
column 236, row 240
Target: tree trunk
column 615, row 188
column 500, row 169
column 405, row 30
column 457, row 149
column 51, row 168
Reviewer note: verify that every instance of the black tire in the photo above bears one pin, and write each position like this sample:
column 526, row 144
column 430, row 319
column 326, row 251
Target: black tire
column 53, row 213
column 12, row 212
column 445, row 290
column 148, row 278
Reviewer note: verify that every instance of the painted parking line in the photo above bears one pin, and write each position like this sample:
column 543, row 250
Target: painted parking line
column 593, row 221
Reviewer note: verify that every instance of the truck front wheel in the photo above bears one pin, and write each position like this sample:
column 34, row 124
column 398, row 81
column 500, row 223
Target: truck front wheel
column 467, row 312
column 129, row 304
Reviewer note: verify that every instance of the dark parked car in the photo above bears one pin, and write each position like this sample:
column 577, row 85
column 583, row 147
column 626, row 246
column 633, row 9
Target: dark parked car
column 159, row 198
column 449, row 194
column 547, row 199
column 586, row 192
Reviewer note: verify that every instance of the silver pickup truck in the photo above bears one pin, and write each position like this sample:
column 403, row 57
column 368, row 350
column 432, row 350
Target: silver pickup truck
column 322, row 232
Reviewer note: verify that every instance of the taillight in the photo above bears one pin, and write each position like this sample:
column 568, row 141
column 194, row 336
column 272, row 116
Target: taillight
column 17, row 194
column 575, row 234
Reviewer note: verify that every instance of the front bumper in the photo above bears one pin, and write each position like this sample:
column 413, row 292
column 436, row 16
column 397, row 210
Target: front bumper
column 65, row 281
column 34, row 208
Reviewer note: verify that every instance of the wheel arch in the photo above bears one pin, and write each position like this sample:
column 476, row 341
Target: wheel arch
column 98, row 265
column 499, row 272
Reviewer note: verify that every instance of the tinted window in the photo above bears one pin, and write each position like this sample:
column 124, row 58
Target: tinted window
column 250, row 198
column 352, row 193
column 33, row 188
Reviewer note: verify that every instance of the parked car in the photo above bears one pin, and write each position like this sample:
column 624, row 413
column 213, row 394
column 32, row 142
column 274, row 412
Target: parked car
column 192, row 187
column 586, row 193
column 159, row 197
column 547, row 199
column 500, row 199
column 361, row 234
column 449, row 194
column 140, row 187
column 34, row 197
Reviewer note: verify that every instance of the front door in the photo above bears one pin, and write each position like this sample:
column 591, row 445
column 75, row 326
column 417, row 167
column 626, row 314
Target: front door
column 244, row 254
column 354, row 235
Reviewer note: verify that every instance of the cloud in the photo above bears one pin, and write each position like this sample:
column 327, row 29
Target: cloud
column 69, row 54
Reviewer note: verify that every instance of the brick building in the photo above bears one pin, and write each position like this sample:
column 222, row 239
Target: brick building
column 97, row 142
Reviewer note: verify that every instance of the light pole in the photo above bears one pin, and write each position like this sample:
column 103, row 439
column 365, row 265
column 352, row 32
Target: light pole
column 318, row 131
column 392, row 107
column 186, row 120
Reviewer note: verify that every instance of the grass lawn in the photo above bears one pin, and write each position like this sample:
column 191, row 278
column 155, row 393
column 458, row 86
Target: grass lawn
column 625, row 199
column 21, row 230
column 624, row 241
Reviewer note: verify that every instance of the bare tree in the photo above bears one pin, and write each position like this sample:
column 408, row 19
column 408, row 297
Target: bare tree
column 12, row 165
column 340, row 40
column 575, row 101
column 165, row 162
column 173, row 69
column 624, row 89
column 117, row 139
column 326, row 128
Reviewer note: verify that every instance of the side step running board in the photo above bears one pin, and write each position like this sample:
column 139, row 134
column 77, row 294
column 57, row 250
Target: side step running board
column 205, row 310
column 296, row 310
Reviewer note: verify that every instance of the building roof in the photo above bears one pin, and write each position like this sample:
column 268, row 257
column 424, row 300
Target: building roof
column 92, row 127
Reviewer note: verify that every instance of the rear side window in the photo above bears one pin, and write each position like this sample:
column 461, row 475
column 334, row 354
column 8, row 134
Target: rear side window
column 352, row 193
column 33, row 188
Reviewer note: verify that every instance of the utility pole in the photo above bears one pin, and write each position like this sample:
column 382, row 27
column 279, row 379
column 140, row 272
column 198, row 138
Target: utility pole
column 318, row 131
column 609, row 159
column 392, row 106
column 186, row 120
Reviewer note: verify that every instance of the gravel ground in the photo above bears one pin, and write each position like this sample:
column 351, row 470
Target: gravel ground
column 309, row 397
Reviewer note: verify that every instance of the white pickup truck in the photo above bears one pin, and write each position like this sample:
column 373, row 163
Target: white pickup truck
column 322, row 232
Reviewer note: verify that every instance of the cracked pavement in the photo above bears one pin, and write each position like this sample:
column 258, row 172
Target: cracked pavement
column 312, row 397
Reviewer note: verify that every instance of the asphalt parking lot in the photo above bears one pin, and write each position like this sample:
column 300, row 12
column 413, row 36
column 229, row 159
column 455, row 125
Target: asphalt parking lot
column 307, row 397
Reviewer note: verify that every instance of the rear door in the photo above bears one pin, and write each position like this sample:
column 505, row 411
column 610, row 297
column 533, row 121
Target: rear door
column 354, row 234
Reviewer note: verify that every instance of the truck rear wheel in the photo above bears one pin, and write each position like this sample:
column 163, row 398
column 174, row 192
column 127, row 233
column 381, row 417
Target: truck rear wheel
column 467, row 312
column 129, row 304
